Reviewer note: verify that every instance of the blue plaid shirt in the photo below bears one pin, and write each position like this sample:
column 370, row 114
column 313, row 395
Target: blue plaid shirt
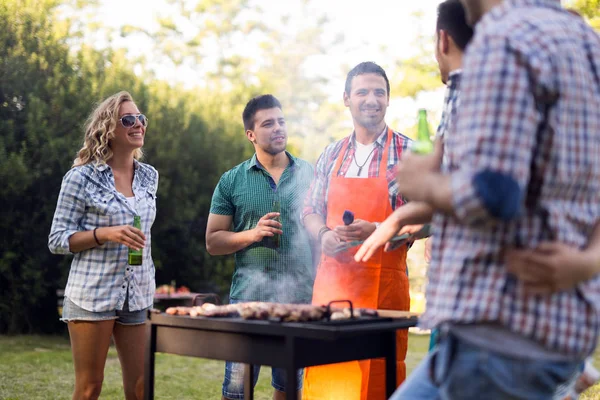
column 100, row 277
column 529, row 110
column 451, row 101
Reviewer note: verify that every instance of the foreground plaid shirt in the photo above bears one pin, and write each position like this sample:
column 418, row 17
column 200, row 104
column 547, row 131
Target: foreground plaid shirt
column 100, row 277
column 316, row 201
column 530, row 109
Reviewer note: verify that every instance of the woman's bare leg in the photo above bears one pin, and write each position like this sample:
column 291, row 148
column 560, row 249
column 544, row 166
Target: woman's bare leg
column 89, row 345
column 130, row 341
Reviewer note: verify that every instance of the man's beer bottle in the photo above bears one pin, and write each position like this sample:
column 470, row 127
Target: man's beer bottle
column 277, row 237
column 135, row 256
column 423, row 145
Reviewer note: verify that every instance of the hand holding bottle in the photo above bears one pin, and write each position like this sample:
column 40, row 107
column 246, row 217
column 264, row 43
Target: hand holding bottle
column 125, row 234
column 414, row 173
column 267, row 226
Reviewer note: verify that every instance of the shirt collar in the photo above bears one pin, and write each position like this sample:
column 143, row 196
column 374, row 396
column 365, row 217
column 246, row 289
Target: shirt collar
column 380, row 141
column 546, row 3
column 101, row 167
column 500, row 10
column 454, row 78
column 254, row 163
column 455, row 73
column 104, row 166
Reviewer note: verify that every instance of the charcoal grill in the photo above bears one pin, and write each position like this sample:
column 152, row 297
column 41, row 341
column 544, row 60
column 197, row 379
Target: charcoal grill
column 288, row 345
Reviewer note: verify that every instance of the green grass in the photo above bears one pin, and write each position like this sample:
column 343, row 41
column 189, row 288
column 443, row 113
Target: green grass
column 40, row 368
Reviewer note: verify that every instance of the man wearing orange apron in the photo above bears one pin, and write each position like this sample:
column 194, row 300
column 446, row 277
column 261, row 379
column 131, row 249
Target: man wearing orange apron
column 357, row 174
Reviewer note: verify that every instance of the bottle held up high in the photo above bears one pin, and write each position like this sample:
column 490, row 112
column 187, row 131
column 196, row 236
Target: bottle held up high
column 424, row 144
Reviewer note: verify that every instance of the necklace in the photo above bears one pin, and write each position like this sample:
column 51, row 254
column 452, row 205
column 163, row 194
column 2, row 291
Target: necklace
column 360, row 167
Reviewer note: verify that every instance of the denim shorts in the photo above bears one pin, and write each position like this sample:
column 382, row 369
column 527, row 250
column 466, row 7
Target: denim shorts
column 233, row 384
column 72, row 312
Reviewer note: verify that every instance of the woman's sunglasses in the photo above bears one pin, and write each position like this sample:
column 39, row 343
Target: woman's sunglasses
column 129, row 120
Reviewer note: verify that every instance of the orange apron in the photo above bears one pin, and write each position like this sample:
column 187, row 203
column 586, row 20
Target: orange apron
column 380, row 283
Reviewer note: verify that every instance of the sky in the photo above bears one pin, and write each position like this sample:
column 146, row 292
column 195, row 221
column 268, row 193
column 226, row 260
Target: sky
column 375, row 30
column 370, row 24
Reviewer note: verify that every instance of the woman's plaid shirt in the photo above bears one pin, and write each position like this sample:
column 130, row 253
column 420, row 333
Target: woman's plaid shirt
column 100, row 277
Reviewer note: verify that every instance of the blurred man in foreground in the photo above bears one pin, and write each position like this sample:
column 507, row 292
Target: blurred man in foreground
column 523, row 170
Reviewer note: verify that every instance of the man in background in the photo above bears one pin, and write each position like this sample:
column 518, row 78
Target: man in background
column 357, row 174
column 452, row 36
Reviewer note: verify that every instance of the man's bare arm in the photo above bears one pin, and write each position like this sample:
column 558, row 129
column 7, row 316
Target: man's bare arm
column 221, row 240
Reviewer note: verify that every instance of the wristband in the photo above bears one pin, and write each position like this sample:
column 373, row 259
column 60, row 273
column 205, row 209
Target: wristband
column 96, row 238
column 322, row 231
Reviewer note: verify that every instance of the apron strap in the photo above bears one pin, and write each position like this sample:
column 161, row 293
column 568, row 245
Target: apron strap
column 338, row 162
column 384, row 157
column 386, row 151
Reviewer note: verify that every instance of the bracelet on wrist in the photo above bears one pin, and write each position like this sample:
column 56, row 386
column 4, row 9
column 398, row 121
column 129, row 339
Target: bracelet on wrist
column 322, row 231
column 96, row 238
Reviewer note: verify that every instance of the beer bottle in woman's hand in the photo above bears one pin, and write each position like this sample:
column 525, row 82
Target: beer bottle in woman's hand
column 134, row 257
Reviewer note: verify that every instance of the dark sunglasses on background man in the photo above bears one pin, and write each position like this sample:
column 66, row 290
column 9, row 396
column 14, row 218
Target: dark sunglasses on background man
column 129, row 120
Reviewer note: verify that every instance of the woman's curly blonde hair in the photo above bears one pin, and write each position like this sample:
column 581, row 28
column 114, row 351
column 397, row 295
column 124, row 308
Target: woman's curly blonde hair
column 99, row 129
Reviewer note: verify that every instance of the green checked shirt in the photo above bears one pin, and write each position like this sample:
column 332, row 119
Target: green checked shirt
column 264, row 272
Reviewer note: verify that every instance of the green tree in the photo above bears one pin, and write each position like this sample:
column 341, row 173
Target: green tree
column 589, row 9
column 38, row 114
column 48, row 86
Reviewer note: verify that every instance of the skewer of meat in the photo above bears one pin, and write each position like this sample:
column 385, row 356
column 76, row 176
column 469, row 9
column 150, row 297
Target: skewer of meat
column 272, row 311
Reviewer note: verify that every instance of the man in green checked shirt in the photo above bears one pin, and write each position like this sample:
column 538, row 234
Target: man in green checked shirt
column 255, row 214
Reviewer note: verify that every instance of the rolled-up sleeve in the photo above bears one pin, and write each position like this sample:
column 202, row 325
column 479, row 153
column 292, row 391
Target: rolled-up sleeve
column 497, row 124
column 316, row 197
column 69, row 211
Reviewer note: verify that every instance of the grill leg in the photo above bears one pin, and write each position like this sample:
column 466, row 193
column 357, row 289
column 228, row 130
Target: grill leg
column 149, row 362
column 291, row 381
column 248, row 380
column 390, row 365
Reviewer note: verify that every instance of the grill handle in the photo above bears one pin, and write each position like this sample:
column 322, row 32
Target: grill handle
column 203, row 296
column 340, row 301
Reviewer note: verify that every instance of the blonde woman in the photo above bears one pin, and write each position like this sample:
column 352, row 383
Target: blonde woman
column 105, row 296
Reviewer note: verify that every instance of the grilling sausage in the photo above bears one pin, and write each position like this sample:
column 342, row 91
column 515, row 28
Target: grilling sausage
column 271, row 311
